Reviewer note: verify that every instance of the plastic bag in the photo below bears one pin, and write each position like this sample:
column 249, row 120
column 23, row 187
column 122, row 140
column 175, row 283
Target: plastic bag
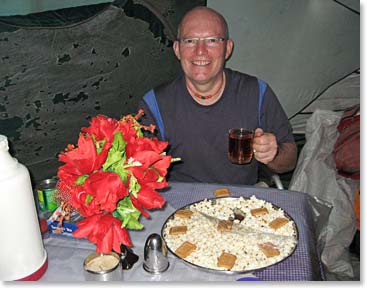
column 317, row 176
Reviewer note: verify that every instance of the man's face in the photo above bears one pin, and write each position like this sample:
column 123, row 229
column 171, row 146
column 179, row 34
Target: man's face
column 202, row 60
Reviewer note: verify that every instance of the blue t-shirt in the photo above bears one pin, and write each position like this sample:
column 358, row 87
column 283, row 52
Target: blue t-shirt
column 199, row 134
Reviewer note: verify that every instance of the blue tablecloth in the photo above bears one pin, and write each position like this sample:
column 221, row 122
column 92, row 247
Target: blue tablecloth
column 66, row 255
column 304, row 264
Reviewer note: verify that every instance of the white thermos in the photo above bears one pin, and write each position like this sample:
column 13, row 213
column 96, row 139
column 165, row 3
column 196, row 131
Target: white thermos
column 22, row 254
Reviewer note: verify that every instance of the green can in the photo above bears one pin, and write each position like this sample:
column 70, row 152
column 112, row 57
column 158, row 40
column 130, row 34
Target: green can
column 46, row 192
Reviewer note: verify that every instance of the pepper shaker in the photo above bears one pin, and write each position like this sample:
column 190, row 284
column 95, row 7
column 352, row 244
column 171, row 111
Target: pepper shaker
column 155, row 255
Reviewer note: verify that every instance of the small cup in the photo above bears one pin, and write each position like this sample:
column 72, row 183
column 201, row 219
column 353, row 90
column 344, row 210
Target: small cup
column 240, row 143
column 103, row 267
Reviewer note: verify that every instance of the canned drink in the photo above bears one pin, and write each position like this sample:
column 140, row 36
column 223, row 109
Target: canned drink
column 46, row 192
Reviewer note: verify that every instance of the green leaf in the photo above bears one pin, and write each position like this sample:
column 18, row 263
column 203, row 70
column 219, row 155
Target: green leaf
column 121, row 171
column 134, row 187
column 100, row 145
column 81, row 179
column 128, row 214
column 139, row 133
column 116, row 152
column 88, row 199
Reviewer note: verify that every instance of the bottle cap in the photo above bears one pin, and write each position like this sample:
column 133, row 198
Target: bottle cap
column 4, row 146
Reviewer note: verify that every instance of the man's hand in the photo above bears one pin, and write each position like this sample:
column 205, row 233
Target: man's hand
column 280, row 159
column 265, row 146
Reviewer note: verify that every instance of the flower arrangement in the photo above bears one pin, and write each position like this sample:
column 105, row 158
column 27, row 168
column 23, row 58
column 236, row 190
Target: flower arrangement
column 111, row 178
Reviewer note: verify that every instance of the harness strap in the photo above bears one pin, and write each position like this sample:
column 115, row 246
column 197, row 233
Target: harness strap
column 262, row 88
column 151, row 101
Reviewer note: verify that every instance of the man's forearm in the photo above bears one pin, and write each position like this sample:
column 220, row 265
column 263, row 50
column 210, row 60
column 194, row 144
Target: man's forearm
column 286, row 158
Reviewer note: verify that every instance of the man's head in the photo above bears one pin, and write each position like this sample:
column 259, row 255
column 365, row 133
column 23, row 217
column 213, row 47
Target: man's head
column 203, row 45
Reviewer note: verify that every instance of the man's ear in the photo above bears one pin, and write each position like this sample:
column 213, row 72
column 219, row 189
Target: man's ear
column 176, row 49
column 229, row 48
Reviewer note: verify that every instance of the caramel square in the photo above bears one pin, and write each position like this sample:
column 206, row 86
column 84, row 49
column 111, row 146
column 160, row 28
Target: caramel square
column 184, row 213
column 226, row 260
column 221, row 192
column 269, row 249
column 278, row 222
column 176, row 230
column 259, row 211
column 185, row 249
column 224, row 225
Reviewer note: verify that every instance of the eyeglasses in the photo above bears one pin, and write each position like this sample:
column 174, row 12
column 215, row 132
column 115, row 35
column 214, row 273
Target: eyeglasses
column 211, row 42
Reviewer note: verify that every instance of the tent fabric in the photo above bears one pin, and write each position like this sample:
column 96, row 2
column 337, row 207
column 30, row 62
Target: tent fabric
column 54, row 79
column 317, row 176
column 57, row 18
column 338, row 97
column 299, row 47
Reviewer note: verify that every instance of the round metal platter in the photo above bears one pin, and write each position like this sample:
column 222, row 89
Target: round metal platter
column 231, row 198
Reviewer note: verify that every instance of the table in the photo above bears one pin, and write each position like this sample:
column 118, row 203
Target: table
column 66, row 255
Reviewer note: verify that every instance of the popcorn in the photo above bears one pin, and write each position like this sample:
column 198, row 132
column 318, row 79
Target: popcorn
column 245, row 244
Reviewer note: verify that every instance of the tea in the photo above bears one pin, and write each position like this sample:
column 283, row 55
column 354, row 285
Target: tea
column 240, row 146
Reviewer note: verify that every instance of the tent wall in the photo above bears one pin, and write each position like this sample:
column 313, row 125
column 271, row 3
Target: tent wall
column 300, row 47
column 21, row 7
column 54, row 79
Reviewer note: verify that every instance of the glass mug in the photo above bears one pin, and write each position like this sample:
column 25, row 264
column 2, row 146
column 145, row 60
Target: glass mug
column 240, row 143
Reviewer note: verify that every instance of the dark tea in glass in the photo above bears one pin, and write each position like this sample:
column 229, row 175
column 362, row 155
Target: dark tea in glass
column 240, row 145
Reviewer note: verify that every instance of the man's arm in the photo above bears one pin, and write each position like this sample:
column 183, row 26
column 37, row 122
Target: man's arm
column 286, row 158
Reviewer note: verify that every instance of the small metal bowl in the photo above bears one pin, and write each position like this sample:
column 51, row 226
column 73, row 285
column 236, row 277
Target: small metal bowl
column 113, row 273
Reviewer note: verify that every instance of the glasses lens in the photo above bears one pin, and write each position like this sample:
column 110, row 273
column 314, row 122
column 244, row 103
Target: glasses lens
column 209, row 41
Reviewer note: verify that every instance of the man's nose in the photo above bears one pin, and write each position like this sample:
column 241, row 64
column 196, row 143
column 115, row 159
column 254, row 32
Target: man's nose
column 201, row 47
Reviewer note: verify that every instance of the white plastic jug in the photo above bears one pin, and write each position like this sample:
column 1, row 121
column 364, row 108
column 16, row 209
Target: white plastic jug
column 22, row 254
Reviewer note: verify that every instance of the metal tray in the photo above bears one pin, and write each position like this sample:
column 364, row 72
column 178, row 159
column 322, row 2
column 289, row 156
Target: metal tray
column 234, row 198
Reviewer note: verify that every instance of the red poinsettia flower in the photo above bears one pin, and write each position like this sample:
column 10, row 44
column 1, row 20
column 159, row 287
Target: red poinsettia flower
column 152, row 160
column 100, row 192
column 147, row 198
column 128, row 130
column 145, row 144
column 105, row 231
column 84, row 159
column 102, row 127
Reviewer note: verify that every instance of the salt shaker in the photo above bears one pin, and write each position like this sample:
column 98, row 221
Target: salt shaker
column 155, row 255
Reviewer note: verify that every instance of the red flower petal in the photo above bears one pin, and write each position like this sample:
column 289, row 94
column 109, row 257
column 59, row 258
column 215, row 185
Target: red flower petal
column 84, row 159
column 149, row 198
column 102, row 127
column 107, row 188
column 86, row 226
column 104, row 245
column 139, row 206
column 123, row 236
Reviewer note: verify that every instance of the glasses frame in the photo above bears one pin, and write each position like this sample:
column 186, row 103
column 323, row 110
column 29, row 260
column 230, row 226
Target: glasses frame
column 195, row 40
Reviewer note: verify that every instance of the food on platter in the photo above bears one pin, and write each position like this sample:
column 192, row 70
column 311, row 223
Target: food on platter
column 185, row 249
column 184, row 213
column 269, row 249
column 259, row 211
column 278, row 222
column 222, row 192
column 178, row 230
column 226, row 260
column 231, row 234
